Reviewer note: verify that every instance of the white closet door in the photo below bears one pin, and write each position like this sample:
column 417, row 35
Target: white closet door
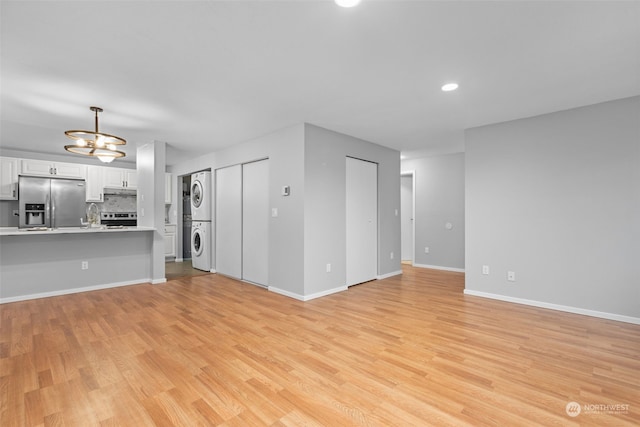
column 255, row 222
column 229, row 221
column 362, row 221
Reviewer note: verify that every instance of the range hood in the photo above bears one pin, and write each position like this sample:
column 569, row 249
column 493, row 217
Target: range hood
column 119, row 192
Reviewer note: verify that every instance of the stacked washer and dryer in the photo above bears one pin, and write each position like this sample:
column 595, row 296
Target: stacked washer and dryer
column 201, row 220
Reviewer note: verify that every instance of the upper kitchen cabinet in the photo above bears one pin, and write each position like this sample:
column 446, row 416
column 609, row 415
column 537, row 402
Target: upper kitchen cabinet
column 120, row 178
column 95, row 183
column 8, row 178
column 167, row 188
column 46, row 168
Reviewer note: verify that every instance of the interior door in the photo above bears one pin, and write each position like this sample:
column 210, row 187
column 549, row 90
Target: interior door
column 255, row 222
column 228, row 220
column 406, row 217
column 362, row 220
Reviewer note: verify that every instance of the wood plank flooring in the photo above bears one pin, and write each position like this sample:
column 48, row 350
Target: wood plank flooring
column 411, row 350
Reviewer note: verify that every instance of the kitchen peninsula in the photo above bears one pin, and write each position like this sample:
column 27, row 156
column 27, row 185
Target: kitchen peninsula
column 51, row 262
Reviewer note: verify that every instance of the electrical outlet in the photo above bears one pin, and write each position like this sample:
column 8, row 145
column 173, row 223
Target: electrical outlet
column 328, row 268
column 426, row 249
column 391, row 255
column 85, row 265
column 485, row 269
column 511, row 276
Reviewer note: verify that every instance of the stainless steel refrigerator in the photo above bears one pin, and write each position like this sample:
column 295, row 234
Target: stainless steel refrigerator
column 51, row 202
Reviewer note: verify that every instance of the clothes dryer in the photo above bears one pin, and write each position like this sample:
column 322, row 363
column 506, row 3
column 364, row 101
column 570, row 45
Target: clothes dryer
column 201, row 196
column 201, row 245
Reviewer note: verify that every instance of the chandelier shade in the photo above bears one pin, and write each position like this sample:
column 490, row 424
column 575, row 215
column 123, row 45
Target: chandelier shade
column 95, row 143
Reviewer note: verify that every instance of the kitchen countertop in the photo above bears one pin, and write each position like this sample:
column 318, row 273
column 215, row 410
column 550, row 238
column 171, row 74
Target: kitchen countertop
column 15, row 231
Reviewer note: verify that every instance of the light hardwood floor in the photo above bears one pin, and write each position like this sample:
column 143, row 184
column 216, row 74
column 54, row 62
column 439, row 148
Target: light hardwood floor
column 410, row 350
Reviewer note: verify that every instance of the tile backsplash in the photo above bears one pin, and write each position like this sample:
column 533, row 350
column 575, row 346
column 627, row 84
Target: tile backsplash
column 117, row 203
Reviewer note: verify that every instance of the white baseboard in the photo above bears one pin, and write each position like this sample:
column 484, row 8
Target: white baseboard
column 73, row 291
column 558, row 307
column 306, row 297
column 438, row 267
column 213, row 270
column 158, row 281
column 179, row 260
column 386, row 275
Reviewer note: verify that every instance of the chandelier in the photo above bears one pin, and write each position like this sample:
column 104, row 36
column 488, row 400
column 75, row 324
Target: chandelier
column 95, row 143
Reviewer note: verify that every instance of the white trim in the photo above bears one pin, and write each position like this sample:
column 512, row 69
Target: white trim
column 158, row 281
column 557, row 307
column 73, row 291
column 438, row 267
column 306, row 297
column 387, row 275
column 213, row 270
column 179, row 260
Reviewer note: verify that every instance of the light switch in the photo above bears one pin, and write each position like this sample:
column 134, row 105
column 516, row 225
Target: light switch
column 274, row 212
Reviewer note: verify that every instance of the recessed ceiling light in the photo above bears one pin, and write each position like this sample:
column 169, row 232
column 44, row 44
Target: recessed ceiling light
column 449, row 87
column 347, row 3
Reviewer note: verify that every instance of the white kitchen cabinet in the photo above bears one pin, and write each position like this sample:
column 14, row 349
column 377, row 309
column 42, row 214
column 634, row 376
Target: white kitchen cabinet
column 8, row 178
column 170, row 240
column 120, row 178
column 47, row 168
column 95, row 184
column 167, row 188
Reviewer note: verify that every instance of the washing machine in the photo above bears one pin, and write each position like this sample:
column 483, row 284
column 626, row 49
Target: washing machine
column 201, row 196
column 201, row 245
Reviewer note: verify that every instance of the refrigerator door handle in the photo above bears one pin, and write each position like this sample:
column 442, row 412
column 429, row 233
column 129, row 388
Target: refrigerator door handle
column 53, row 212
column 47, row 217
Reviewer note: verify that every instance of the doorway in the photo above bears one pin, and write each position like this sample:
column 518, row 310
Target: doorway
column 407, row 222
column 361, row 220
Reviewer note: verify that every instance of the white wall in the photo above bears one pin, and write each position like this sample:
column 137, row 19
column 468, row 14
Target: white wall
column 151, row 159
column 439, row 199
column 556, row 199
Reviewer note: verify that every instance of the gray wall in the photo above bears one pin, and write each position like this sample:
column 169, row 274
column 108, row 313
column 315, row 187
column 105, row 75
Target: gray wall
column 556, row 199
column 309, row 231
column 439, row 199
column 285, row 151
column 325, row 206
column 31, row 264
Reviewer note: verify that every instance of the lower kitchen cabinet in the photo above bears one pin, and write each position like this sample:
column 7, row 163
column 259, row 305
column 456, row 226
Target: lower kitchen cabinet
column 170, row 240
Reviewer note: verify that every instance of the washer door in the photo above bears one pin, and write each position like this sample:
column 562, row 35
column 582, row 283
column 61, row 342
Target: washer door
column 197, row 242
column 197, row 193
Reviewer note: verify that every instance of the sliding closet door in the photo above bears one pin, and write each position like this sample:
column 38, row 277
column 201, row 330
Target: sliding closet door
column 229, row 221
column 362, row 221
column 255, row 222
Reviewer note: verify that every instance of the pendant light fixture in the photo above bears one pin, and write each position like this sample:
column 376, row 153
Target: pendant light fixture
column 95, row 143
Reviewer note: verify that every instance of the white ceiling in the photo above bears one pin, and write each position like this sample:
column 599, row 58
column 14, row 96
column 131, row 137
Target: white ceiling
column 203, row 75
